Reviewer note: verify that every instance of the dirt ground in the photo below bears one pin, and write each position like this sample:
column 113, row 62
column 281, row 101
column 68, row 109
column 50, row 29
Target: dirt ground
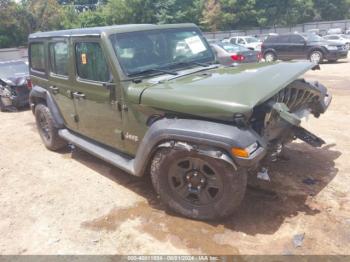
column 73, row 203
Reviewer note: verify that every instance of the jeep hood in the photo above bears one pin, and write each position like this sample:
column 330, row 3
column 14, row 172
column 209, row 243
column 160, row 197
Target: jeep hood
column 221, row 92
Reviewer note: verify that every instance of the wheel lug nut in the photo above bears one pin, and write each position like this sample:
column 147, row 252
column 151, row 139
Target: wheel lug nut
column 202, row 180
column 195, row 174
column 189, row 185
column 188, row 177
column 198, row 187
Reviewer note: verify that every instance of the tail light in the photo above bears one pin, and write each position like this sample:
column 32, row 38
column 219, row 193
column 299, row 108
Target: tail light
column 237, row 58
column 29, row 84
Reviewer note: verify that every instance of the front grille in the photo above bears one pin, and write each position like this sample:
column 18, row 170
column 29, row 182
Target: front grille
column 296, row 96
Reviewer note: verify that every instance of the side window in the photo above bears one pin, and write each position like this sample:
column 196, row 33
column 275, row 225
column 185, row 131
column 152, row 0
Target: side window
column 241, row 41
column 233, row 40
column 37, row 57
column 283, row 39
column 296, row 39
column 59, row 58
column 91, row 62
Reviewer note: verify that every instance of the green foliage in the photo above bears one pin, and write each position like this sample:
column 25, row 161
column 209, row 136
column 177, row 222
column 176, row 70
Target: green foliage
column 20, row 18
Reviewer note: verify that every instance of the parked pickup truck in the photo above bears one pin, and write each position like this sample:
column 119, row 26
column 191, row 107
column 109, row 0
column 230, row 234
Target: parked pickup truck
column 150, row 99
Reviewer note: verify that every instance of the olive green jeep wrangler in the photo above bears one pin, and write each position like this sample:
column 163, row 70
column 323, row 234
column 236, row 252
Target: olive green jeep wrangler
column 150, row 99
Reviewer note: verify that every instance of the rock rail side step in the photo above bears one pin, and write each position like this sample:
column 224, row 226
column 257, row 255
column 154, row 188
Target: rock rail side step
column 116, row 159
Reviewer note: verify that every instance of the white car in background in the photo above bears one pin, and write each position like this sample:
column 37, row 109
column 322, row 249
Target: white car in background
column 249, row 42
column 343, row 39
column 334, row 31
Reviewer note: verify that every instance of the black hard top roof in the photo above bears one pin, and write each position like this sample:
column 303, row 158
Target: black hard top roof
column 106, row 29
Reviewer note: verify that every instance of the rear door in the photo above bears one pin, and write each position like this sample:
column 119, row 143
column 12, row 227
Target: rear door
column 60, row 80
column 297, row 47
column 282, row 46
column 99, row 117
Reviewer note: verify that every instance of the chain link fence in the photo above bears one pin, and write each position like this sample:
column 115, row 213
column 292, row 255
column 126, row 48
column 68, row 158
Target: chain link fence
column 321, row 27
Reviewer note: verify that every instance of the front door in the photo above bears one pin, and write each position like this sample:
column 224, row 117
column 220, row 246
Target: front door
column 99, row 117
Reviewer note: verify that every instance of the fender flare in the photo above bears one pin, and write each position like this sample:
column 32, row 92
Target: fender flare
column 212, row 135
column 38, row 94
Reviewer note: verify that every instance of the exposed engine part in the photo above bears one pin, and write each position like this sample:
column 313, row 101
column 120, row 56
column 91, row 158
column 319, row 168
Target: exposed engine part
column 263, row 174
column 273, row 119
column 276, row 152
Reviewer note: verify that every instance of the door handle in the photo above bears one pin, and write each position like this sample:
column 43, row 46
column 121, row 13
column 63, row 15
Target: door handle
column 79, row 95
column 54, row 89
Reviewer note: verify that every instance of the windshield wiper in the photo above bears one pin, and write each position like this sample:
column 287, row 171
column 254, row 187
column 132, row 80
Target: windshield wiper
column 191, row 63
column 153, row 71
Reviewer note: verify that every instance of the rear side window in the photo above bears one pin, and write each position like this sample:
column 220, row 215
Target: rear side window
column 59, row 58
column 297, row 39
column 91, row 63
column 37, row 57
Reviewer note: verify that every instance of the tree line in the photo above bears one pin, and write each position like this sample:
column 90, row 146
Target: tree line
column 20, row 18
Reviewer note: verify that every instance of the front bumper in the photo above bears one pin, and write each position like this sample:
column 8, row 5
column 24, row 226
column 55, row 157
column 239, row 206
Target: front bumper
column 284, row 114
column 16, row 101
column 337, row 54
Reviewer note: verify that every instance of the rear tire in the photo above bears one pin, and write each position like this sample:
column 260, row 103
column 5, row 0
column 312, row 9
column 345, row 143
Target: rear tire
column 47, row 130
column 270, row 57
column 197, row 186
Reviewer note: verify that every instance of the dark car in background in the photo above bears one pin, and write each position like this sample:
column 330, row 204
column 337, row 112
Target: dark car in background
column 228, row 54
column 14, row 84
column 297, row 46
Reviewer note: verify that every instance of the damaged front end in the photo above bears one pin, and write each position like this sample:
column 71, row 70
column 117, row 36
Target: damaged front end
column 278, row 120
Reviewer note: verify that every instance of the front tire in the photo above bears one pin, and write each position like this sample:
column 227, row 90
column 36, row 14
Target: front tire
column 197, row 186
column 47, row 130
column 316, row 57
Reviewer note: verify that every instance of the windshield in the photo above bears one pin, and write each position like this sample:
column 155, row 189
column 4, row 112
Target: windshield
column 13, row 69
column 252, row 40
column 314, row 38
column 145, row 51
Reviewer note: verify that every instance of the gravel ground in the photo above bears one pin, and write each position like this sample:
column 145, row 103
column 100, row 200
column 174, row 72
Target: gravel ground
column 73, row 203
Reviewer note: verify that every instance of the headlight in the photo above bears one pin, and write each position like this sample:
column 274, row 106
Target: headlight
column 331, row 47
